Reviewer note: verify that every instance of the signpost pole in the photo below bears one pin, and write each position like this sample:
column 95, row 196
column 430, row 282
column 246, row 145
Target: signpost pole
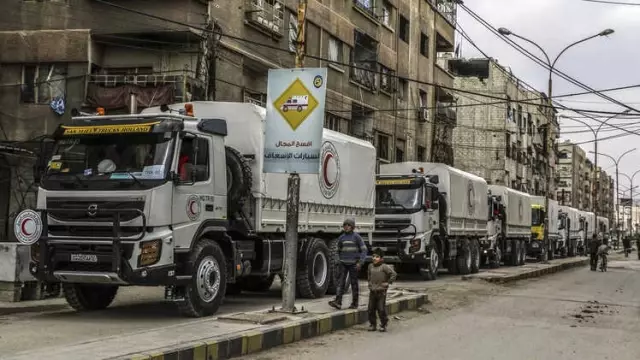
column 293, row 195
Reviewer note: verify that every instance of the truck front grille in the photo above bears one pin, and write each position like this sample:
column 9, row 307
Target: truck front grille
column 92, row 231
column 79, row 210
column 392, row 224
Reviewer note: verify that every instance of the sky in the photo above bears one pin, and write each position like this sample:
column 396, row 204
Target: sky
column 603, row 62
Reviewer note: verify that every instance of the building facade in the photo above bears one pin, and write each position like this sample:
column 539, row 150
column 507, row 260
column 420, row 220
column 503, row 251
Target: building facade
column 502, row 140
column 381, row 57
column 364, row 44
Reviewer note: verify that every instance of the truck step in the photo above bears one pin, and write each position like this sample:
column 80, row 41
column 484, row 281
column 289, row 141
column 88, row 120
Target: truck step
column 172, row 293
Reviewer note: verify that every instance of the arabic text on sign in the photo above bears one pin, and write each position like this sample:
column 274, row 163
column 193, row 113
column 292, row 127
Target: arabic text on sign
column 394, row 182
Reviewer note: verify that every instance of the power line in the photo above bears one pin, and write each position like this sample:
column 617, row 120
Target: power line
column 612, row 2
column 539, row 61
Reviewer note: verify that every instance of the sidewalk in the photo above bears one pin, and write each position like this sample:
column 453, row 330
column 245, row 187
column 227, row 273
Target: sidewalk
column 227, row 336
column 529, row 270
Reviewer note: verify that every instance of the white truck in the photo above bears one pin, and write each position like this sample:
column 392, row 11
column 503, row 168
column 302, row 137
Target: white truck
column 587, row 226
column 569, row 226
column 167, row 199
column 541, row 218
column 430, row 215
column 509, row 227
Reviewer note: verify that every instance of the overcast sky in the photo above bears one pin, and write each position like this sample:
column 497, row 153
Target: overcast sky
column 603, row 62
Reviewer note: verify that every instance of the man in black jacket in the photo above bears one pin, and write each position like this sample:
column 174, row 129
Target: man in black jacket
column 593, row 252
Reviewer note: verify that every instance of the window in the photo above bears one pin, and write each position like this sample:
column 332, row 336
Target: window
column 293, row 32
column 403, row 29
column 43, row 83
column 335, row 50
column 424, row 45
column 402, row 89
column 400, row 149
column 364, row 58
column 194, row 160
column 386, row 13
column 367, row 5
column 383, row 147
column 421, row 153
column 386, row 80
column 332, row 122
column 423, row 98
column 508, row 145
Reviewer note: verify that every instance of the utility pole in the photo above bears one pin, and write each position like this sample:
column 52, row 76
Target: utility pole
column 293, row 195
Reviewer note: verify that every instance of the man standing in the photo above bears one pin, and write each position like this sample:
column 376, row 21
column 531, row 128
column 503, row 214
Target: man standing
column 593, row 251
column 351, row 254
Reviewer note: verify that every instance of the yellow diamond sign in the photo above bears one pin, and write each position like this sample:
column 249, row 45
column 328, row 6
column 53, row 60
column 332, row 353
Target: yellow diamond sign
column 295, row 104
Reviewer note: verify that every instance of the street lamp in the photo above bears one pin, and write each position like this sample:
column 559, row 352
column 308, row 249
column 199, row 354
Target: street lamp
column 596, row 184
column 617, row 162
column 506, row 32
column 631, row 187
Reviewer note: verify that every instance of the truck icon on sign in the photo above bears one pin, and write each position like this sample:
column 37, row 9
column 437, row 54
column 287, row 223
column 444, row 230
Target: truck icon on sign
column 298, row 102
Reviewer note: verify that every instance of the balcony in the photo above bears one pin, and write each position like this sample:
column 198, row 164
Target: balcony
column 442, row 76
column 266, row 15
column 112, row 91
column 446, row 22
column 364, row 61
column 446, row 112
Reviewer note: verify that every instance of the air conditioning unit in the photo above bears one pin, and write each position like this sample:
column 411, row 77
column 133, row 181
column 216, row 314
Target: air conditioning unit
column 423, row 114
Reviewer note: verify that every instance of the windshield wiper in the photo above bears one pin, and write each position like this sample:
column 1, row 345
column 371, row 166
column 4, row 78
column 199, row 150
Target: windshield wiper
column 76, row 177
column 131, row 176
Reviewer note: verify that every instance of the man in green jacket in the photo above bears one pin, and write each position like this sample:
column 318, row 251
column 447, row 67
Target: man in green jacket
column 380, row 276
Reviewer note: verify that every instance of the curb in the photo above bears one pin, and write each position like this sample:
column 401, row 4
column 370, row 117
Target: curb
column 535, row 273
column 249, row 342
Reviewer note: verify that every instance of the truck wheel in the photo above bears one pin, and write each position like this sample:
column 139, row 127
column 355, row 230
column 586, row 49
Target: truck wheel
column 239, row 179
column 258, row 283
column 312, row 277
column 429, row 271
column 523, row 253
column 475, row 256
column 464, row 259
column 85, row 297
column 209, row 280
column 514, row 257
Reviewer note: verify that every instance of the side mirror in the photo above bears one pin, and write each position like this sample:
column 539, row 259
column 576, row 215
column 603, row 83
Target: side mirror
column 434, row 179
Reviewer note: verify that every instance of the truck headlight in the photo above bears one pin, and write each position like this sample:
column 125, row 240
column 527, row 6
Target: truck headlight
column 150, row 252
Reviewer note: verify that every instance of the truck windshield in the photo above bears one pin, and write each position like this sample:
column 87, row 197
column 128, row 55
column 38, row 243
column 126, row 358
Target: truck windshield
column 103, row 162
column 536, row 217
column 396, row 200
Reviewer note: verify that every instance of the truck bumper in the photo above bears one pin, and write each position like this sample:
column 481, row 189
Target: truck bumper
column 110, row 265
column 401, row 258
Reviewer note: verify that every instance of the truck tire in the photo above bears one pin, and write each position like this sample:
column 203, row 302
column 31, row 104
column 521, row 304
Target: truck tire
column 312, row 278
column 523, row 252
column 203, row 296
column 239, row 179
column 334, row 268
column 257, row 283
column 429, row 270
column 86, row 297
column 514, row 256
column 475, row 256
column 464, row 259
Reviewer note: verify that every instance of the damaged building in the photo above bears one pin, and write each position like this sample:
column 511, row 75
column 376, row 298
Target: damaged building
column 500, row 137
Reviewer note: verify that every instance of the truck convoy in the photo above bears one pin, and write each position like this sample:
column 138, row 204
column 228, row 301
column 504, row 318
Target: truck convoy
column 176, row 197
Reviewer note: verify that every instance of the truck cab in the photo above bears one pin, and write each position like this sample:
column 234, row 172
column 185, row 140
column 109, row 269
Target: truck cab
column 406, row 213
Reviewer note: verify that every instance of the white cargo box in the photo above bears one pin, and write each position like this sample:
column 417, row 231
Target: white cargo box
column 466, row 195
column 603, row 222
column 518, row 210
column 590, row 223
column 343, row 188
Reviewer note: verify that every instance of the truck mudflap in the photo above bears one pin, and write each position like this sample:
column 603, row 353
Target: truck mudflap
column 93, row 267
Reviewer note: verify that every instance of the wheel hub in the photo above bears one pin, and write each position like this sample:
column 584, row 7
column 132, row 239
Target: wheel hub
column 434, row 260
column 208, row 279
column 319, row 269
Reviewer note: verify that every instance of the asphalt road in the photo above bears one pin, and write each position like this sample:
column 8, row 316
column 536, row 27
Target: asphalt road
column 51, row 322
column 576, row 314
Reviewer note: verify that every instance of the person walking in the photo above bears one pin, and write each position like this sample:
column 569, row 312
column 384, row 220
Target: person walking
column 351, row 254
column 380, row 276
column 593, row 251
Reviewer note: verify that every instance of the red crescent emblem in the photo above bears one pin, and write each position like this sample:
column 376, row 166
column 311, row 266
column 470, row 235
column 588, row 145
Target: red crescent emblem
column 325, row 166
column 23, row 226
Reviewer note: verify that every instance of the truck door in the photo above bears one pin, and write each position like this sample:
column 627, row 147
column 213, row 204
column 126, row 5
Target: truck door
column 193, row 200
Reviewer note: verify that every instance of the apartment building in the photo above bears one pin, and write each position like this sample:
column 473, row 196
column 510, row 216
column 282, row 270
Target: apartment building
column 364, row 44
column 86, row 55
column 502, row 140
column 576, row 186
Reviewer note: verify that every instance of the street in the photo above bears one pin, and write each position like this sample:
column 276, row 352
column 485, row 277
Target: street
column 576, row 314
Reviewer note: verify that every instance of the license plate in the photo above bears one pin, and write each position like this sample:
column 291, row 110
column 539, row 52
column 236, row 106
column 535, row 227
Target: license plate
column 86, row 258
